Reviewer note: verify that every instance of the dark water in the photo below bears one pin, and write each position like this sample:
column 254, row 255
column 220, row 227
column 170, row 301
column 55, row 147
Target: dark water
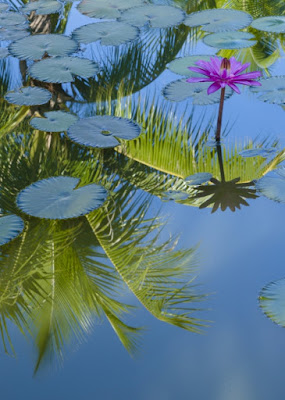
column 65, row 282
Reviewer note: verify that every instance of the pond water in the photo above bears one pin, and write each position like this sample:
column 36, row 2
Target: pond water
column 140, row 257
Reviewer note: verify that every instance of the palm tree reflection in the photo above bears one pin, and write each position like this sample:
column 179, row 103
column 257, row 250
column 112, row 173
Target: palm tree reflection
column 225, row 194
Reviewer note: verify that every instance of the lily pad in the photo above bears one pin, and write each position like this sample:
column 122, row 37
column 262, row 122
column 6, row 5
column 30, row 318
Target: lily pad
column 272, row 186
column 102, row 131
column 174, row 195
column 3, row 52
column 15, row 34
column 230, row 40
column 158, row 16
column 28, row 96
column 55, row 121
column 62, row 69
column 219, row 20
column 58, row 198
column 43, row 7
column 35, row 46
column 110, row 33
column 257, row 152
column 272, row 301
column 4, row 7
column 181, row 90
column 106, row 8
column 198, row 179
column 275, row 23
column 10, row 227
column 180, row 65
column 272, row 90
column 11, row 18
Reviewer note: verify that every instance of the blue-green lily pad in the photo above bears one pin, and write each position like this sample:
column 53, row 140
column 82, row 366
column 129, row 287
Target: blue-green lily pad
column 3, row 52
column 8, row 19
column 4, row 7
column 62, row 69
column 257, row 152
column 272, row 301
column 181, row 90
column 28, row 96
column 58, row 198
column 43, row 7
column 158, row 16
column 110, row 33
column 10, row 227
column 35, row 46
column 13, row 33
column 181, row 65
column 219, row 20
column 230, row 40
column 272, row 90
column 174, row 195
column 272, row 186
column 106, row 8
column 103, row 131
column 55, row 121
column 198, row 179
column 274, row 23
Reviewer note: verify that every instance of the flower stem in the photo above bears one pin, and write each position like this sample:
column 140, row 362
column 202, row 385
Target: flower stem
column 219, row 123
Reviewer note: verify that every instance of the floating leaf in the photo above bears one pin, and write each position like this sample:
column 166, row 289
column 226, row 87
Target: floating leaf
column 15, row 34
column 180, row 65
column 272, row 186
column 230, row 40
column 257, row 152
column 43, row 7
column 102, row 131
column 275, row 23
column 28, row 96
column 198, row 179
column 10, row 227
column 110, row 33
column 272, row 90
column 11, row 19
column 4, row 7
column 272, row 301
column 3, row 52
column 158, row 16
column 219, row 20
column 34, row 47
column 55, row 121
column 106, row 8
column 58, row 198
column 62, row 69
column 181, row 90
column 174, row 195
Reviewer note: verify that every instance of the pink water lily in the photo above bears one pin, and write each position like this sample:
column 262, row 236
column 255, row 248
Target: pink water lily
column 224, row 72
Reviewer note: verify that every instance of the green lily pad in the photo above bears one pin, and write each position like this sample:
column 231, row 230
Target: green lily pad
column 28, row 96
column 180, row 65
column 272, row 90
column 34, row 47
column 15, row 34
column 181, row 90
column 158, row 16
column 275, row 23
column 55, row 121
column 102, row 131
column 198, row 179
column 62, row 69
column 219, row 20
column 272, row 301
column 110, row 33
column 106, row 8
column 8, row 19
column 10, row 227
column 230, row 40
column 272, row 186
column 174, row 195
column 58, row 198
column 43, row 7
